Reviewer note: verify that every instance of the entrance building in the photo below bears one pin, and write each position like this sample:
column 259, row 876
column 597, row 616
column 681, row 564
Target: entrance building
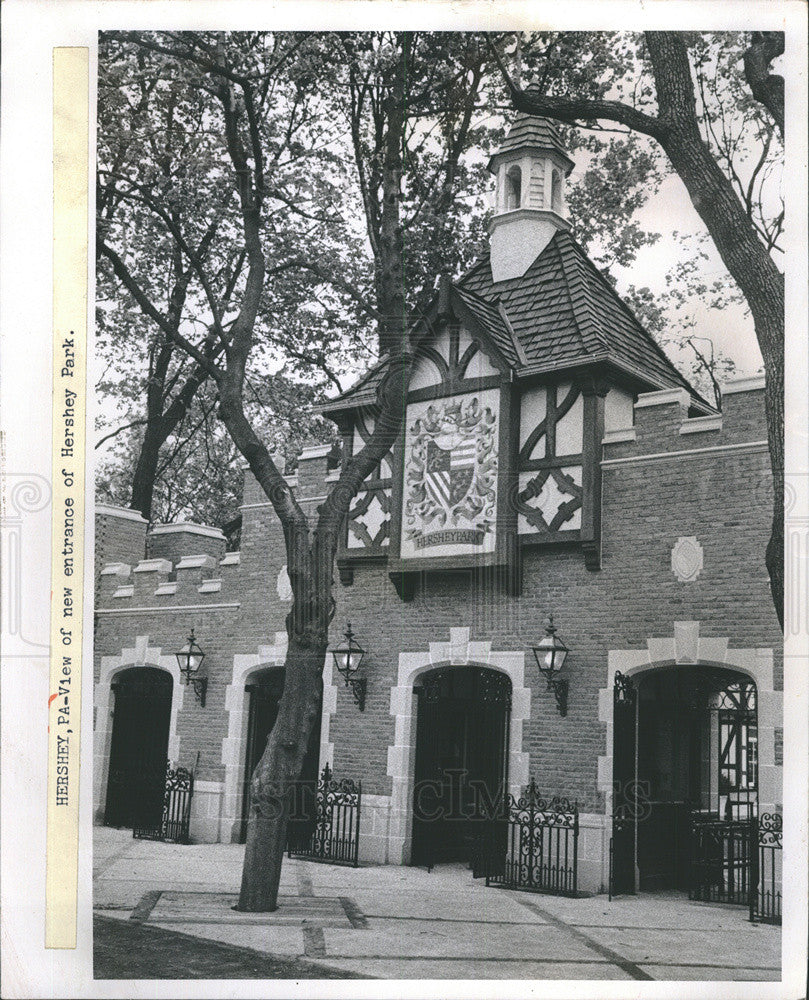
column 552, row 461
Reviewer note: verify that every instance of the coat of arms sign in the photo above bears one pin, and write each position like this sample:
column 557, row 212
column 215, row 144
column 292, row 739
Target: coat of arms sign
column 450, row 483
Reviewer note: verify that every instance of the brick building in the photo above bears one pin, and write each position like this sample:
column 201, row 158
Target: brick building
column 553, row 462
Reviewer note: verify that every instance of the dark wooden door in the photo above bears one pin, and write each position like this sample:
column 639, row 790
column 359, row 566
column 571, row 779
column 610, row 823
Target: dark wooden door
column 139, row 747
column 668, row 745
column 461, row 760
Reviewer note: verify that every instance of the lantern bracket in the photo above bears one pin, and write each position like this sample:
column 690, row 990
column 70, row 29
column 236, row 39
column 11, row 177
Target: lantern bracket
column 200, row 685
column 358, row 688
column 560, row 689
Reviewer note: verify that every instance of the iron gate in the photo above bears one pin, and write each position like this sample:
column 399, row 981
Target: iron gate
column 175, row 818
column 724, row 828
column 720, row 860
column 766, row 868
column 336, row 835
column 535, row 845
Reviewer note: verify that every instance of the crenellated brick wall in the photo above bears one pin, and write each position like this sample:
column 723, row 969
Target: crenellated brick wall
column 120, row 536
column 666, row 478
column 173, row 541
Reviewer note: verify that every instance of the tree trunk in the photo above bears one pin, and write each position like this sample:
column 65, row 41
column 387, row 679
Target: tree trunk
column 274, row 778
column 145, row 471
column 390, row 276
column 747, row 259
column 774, row 408
column 742, row 252
column 310, row 555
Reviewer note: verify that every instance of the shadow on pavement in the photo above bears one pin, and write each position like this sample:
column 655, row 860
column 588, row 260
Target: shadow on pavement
column 122, row 950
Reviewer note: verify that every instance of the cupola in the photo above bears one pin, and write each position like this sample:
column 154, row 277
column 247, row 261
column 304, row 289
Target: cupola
column 530, row 170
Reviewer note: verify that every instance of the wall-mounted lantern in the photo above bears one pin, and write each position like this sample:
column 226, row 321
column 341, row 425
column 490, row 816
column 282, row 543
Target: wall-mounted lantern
column 550, row 654
column 347, row 659
column 190, row 659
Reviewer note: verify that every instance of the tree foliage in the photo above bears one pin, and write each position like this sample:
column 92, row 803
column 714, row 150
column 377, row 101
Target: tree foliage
column 172, row 263
column 322, row 123
column 701, row 138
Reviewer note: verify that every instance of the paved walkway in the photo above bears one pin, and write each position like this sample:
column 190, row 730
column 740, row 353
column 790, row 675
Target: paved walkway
column 406, row 923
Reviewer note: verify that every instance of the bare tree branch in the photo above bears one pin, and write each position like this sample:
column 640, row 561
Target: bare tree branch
column 125, row 277
column 119, row 430
column 573, row 110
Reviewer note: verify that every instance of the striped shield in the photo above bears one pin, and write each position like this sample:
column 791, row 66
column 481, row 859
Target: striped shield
column 448, row 475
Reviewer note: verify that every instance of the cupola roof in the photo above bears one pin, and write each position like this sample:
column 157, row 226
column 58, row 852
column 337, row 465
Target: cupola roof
column 531, row 132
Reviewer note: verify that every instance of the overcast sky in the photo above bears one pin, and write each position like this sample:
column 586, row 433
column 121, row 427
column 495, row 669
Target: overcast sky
column 668, row 211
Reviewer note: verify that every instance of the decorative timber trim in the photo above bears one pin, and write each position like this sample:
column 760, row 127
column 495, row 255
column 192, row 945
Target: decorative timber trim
column 594, row 391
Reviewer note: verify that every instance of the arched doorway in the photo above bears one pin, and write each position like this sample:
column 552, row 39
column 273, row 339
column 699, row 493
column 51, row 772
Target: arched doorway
column 461, row 761
column 264, row 690
column 685, row 779
column 138, row 747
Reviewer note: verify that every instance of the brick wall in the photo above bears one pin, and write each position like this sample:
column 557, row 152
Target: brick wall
column 173, row 541
column 120, row 536
column 721, row 497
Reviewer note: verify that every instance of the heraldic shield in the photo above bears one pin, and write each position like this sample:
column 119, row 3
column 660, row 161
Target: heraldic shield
column 448, row 475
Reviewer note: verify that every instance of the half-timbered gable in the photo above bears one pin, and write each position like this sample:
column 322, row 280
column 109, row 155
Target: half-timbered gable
column 521, row 369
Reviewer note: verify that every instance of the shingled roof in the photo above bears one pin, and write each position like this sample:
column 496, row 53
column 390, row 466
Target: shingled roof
column 561, row 314
column 494, row 320
column 527, row 131
column 565, row 313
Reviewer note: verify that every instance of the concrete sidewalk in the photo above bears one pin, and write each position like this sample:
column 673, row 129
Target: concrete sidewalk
column 406, row 923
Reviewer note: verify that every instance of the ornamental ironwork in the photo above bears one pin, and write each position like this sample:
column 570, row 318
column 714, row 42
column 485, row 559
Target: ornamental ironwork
column 738, row 696
column 533, row 844
column 175, row 819
column 623, row 690
column 766, row 877
column 627, row 791
column 494, row 688
column 720, row 859
column 473, row 684
column 336, row 833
